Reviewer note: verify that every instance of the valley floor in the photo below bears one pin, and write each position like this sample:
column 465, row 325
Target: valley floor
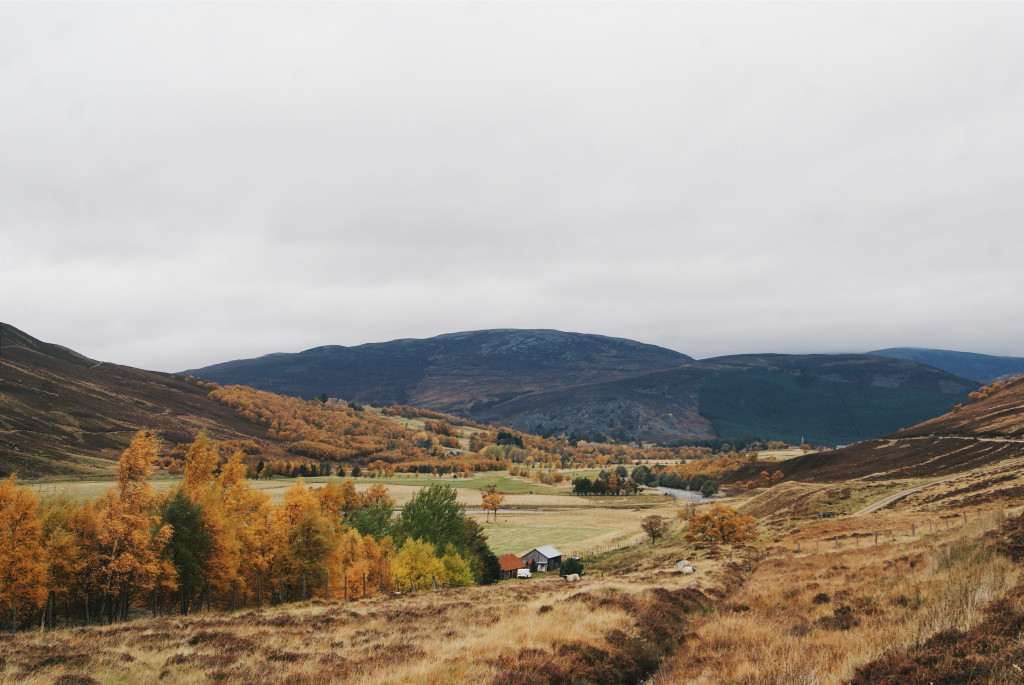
column 814, row 601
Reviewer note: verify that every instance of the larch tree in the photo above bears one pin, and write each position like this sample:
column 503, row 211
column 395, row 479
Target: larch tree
column 22, row 572
column 201, row 460
column 311, row 537
column 130, row 537
column 66, row 559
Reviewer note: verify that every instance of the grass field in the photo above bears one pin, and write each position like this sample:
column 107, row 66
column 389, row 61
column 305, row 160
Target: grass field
column 505, row 484
column 518, row 491
column 570, row 529
column 519, row 538
column 548, row 516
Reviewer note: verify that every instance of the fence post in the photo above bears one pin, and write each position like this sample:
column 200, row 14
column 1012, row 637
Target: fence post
column 929, row 525
column 345, row 577
column 913, row 530
column 837, row 542
column 815, row 545
column 876, row 537
column 798, row 548
column 965, row 518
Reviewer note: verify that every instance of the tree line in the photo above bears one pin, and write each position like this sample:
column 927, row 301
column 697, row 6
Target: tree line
column 215, row 542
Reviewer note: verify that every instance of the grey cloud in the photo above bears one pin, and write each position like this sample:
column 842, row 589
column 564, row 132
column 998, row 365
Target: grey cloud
column 185, row 183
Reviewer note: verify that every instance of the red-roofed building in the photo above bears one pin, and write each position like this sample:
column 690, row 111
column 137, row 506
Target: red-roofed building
column 509, row 564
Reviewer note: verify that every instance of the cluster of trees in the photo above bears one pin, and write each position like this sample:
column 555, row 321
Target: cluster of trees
column 672, row 478
column 700, row 475
column 216, row 542
column 720, row 524
column 763, row 480
column 616, row 482
column 332, row 431
column 289, row 469
column 990, row 389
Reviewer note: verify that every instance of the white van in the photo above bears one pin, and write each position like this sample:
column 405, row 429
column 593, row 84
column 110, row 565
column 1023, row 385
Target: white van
column 524, row 573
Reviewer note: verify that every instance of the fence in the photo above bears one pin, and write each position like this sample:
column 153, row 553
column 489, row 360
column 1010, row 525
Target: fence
column 872, row 537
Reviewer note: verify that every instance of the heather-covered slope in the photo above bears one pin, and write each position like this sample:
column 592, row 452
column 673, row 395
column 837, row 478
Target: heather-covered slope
column 982, row 432
column 822, row 399
column 62, row 413
column 552, row 382
column 456, row 373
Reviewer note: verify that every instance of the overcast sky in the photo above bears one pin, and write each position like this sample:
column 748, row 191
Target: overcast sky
column 183, row 184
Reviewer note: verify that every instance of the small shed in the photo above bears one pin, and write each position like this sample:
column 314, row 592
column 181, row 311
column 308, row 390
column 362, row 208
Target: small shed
column 509, row 564
column 543, row 559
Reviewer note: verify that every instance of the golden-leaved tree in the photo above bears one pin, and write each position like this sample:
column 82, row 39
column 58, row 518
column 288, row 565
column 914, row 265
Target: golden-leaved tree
column 721, row 524
column 22, row 572
column 129, row 537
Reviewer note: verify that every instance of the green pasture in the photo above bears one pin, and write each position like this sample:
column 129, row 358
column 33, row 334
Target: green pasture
column 515, row 538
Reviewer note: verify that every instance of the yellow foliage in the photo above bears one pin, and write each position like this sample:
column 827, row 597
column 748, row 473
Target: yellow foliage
column 22, row 574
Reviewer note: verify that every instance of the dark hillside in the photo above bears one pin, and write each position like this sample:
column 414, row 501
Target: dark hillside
column 980, row 367
column 982, row 432
column 62, row 413
column 824, row 399
column 456, row 373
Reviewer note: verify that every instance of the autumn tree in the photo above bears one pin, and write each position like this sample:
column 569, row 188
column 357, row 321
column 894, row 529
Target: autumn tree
column 492, row 502
column 417, row 565
column 201, row 461
column 130, row 537
column 22, row 573
column 311, row 537
column 64, row 553
column 655, row 526
column 721, row 524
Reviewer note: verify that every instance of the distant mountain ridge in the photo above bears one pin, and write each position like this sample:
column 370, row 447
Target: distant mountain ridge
column 454, row 373
column 983, row 368
column 822, row 399
column 551, row 382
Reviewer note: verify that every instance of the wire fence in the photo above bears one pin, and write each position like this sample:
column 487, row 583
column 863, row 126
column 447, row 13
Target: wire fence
column 874, row 535
column 596, row 550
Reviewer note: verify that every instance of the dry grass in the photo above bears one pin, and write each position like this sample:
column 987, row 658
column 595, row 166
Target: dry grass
column 814, row 618
column 620, row 623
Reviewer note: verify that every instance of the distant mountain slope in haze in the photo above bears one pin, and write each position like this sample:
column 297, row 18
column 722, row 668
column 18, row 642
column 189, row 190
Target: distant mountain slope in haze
column 823, row 399
column 62, row 413
column 979, row 433
column 454, row 373
column 980, row 367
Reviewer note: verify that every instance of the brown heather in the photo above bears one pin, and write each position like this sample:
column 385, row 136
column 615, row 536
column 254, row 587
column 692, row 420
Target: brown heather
column 609, row 630
column 816, row 618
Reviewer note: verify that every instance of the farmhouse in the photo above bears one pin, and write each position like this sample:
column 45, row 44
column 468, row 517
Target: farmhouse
column 509, row 564
column 542, row 559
